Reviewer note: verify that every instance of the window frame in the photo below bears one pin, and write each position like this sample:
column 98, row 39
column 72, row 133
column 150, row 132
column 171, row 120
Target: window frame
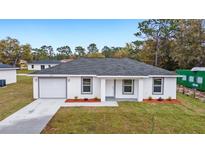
column 192, row 77
column 32, row 66
column 184, row 78
column 43, row 67
column 197, row 80
column 91, row 85
column 132, row 87
column 162, row 86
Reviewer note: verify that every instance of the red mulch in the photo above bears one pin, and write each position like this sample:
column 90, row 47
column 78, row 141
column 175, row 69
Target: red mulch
column 82, row 100
column 165, row 101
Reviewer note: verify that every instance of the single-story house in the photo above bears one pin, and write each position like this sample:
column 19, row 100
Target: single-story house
column 42, row 64
column 106, row 79
column 8, row 73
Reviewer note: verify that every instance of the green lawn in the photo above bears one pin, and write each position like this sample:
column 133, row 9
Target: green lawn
column 15, row 96
column 189, row 117
column 24, row 71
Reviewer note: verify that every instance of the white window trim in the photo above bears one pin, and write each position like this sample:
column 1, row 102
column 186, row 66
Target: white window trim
column 132, row 87
column 162, row 87
column 197, row 80
column 91, row 85
column 191, row 77
column 184, row 78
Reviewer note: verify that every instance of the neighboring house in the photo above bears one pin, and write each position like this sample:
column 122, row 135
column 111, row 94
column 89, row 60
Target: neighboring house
column 42, row 64
column 8, row 73
column 104, row 78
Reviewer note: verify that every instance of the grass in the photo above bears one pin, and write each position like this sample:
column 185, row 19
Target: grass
column 129, row 118
column 15, row 96
column 24, row 71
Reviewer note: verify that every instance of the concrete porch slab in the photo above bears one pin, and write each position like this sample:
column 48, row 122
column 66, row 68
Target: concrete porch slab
column 97, row 104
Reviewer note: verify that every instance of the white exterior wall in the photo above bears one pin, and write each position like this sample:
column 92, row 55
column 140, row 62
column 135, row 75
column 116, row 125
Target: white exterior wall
column 35, row 87
column 142, row 88
column 38, row 66
column 74, row 88
column 119, row 92
column 8, row 75
column 169, row 88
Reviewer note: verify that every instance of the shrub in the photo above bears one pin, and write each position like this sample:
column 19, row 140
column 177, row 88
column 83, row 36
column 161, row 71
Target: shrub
column 169, row 98
column 96, row 98
column 160, row 99
column 76, row 97
column 85, row 99
column 150, row 98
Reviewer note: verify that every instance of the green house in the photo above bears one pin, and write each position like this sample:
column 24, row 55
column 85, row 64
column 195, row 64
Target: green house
column 194, row 78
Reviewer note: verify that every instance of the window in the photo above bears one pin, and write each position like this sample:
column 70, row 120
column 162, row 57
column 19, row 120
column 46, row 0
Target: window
column 191, row 79
column 49, row 66
column 86, row 85
column 199, row 80
column 184, row 78
column 158, row 86
column 42, row 67
column 128, row 87
column 32, row 66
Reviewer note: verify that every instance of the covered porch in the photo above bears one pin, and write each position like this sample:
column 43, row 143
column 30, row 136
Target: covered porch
column 121, row 89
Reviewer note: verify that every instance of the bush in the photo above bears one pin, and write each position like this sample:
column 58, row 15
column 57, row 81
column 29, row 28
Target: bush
column 96, row 98
column 169, row 98
column 85, row 99
column 160, row 99
column 150, row 98
column 76, row 97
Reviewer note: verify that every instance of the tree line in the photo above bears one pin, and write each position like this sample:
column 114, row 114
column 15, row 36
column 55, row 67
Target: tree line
column 166, row 43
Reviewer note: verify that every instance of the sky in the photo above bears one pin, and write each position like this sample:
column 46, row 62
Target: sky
column 70, row 32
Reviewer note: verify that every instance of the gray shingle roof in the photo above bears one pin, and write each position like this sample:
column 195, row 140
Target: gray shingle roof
column 45, row 62
column 5, row 66
column 105, row 66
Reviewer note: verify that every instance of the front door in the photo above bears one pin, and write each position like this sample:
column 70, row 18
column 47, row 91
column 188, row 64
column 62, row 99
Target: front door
column 110, row 88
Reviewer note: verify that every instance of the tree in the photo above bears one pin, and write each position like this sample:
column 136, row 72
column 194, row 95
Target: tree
column 107, row 52
column 64, row 52
column 156, row 30
column 48, row 50
column 189, row 50
column 95, row 55
column 161, row 33
column 27, row 55
column 92, row 48
column 11, row 51
column 79, row 51
column 39, row 54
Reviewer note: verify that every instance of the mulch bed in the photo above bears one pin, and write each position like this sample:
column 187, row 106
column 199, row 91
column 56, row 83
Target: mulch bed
column 82, row 100
column 165, row 101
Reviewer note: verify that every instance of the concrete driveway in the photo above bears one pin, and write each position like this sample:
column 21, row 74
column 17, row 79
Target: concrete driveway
column 32, row 118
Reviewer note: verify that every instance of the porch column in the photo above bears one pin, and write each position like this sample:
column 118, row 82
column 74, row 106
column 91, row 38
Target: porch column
column 102, row 91
column 140, row 90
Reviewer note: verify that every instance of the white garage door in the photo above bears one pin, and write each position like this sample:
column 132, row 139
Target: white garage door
column 52, row 87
